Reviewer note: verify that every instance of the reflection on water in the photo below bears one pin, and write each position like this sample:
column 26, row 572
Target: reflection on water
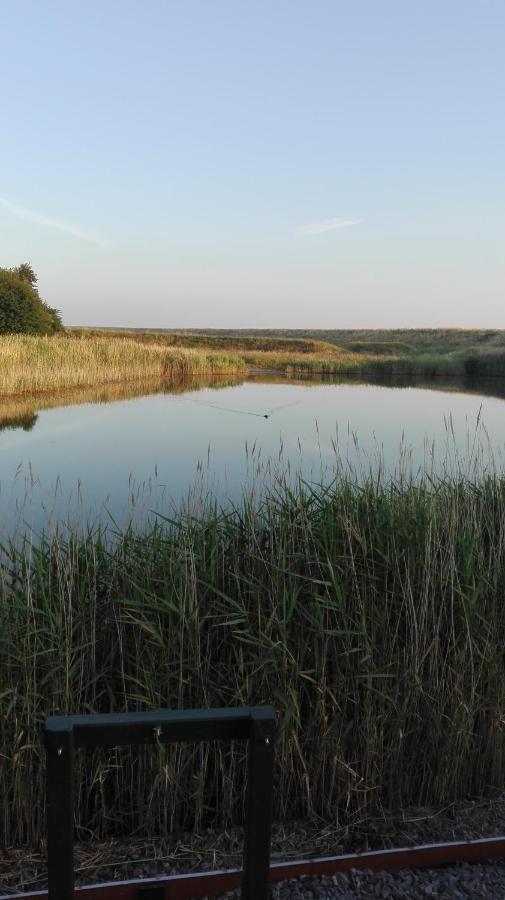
column 485, row 387
column 21, row 412
column 25, row 420
column 122, row 450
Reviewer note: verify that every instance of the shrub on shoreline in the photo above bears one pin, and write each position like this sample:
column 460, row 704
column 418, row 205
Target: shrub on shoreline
column 21, row 309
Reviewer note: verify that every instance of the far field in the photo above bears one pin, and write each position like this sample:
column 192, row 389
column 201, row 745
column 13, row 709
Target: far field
column 440, row 339
column 83, row 357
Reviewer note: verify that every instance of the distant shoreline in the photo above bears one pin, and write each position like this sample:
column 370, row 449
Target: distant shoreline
column 84, row 358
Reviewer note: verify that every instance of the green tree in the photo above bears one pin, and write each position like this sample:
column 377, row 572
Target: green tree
column 21, row 308
column 26, row 273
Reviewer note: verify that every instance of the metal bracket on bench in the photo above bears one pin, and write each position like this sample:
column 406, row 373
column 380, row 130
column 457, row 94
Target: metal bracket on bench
column 65, row 734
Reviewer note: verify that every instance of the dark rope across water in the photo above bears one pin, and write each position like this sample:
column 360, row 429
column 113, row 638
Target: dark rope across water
column 245, row 412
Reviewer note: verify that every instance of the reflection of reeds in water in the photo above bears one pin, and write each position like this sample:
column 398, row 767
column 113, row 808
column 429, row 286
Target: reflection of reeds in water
column 486, row 386
column 48, row 363
column 10, row 420
column 21, row 411
column 368, row 611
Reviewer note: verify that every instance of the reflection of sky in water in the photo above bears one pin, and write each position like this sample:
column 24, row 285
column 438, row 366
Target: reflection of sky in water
column 150, row 449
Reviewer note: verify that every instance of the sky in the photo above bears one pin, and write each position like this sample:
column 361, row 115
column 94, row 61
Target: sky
column 275, row 164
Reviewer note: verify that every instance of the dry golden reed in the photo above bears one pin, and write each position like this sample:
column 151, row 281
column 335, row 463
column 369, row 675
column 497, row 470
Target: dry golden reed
column 50, row 363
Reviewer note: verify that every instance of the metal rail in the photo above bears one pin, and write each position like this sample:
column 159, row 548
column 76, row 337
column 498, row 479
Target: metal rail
column 65, row 734
column 212, row 884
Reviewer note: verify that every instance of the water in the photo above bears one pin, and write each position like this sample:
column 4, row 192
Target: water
column 112, row 453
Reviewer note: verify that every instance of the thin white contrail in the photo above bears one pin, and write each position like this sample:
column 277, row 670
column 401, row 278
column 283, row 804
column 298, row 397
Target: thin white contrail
column 40, row 219
column 327, row 225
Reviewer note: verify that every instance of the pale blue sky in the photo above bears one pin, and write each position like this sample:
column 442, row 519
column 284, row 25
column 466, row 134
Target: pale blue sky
column 186, row 164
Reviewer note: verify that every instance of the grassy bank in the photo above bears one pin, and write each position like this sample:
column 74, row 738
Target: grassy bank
column 209, row 340
column 50, row 363
column 371, row 616
column 334, row 363
column 86, row 358
column 461, row 364
column 422, row 340
column 395, row 352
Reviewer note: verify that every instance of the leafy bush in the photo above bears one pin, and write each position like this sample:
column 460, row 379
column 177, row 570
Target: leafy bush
column 21, row 308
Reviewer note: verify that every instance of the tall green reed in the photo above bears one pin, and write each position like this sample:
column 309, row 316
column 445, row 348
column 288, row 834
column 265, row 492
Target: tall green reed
column 370, row 613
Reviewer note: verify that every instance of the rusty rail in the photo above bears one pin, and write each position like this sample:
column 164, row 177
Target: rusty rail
column 213, row 884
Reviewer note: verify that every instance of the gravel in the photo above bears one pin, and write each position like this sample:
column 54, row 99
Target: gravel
column 460, row 882
column 24, row 869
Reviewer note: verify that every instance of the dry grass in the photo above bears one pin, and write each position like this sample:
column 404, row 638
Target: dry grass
column 427, row 352
column 327, row 363
column 31, row 364
column 209, row 340
column 86, row 358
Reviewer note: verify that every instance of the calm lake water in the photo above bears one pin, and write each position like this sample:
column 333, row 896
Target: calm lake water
column 113, row 451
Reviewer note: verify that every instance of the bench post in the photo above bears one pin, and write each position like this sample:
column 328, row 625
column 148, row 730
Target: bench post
column 60, row 809
column 259, row 805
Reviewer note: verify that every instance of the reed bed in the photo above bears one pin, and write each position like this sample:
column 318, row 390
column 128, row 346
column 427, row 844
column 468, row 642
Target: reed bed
column 471, row 363
column 33, row 364
column 384, row 362
column 44, row 364
column 369, row 613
